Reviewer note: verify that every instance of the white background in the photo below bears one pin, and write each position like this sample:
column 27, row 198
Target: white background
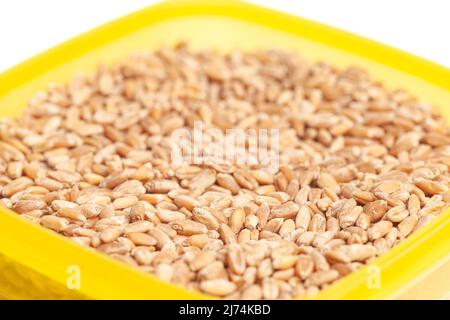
column 28, row 27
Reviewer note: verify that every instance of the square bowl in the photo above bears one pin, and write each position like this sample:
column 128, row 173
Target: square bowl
column 38, row 263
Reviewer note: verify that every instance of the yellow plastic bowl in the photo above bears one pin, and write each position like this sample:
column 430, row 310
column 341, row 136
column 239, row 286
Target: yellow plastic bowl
column 37, row 263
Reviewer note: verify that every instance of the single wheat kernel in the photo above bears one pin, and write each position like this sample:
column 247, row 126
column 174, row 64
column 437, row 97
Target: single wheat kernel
column 55, row 223
column 218, row 287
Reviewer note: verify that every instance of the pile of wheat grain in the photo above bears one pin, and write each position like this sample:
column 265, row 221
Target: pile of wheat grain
column 361, row 168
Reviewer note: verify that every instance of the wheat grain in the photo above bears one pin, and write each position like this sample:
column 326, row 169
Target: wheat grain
column 360, row 169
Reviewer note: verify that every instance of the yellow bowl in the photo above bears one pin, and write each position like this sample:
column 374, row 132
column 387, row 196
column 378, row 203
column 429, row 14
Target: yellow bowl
column 37, row 263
